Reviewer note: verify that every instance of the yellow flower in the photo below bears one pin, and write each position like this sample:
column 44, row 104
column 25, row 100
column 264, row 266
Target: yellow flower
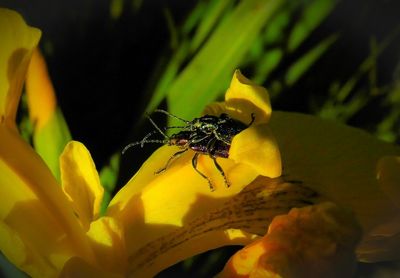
column 154, row 221
column 48, row 230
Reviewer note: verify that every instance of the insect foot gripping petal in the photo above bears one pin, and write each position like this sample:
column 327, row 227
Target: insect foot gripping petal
column 221, row 171
column 173, row 157
column 194, row 164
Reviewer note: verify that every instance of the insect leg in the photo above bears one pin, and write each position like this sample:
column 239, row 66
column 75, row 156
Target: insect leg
column 194, row 164
column 210, row 151
column 174, row 156
column 220, row 170
column 253, row 117
column 217, row 135
column 198, row 139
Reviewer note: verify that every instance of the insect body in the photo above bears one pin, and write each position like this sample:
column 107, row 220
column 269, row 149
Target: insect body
column 207, row 135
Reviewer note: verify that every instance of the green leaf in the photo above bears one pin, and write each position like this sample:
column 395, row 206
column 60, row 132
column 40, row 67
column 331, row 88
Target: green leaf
column 311, row 17
column 202, row 19
column 366, row 66
column 213, row 13
column 108, row 179
column 267, row 63
column 207, row 76
column 307, row 60
column 116, row 8
column 50, row 140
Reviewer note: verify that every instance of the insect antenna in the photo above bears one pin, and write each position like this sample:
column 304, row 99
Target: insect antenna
column 156, row 131
column 172, row 115
column 147, row 136
column 142, row 142
column 157, row 128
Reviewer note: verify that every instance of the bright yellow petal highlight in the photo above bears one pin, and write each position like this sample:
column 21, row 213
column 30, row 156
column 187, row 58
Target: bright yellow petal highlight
column 17, row 41
column 314, row 241
column 180, row 179
column 242, row 99
column 245, row 97
column 35, row 208
column 257, row 148
column 80, row 182
column 40, row 91
column 186, row 183
column 169, row 197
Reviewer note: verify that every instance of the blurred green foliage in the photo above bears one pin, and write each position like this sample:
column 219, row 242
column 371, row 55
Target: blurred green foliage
column 232, row 35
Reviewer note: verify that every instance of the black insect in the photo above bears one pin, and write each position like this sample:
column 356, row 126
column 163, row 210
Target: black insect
column 207, row 135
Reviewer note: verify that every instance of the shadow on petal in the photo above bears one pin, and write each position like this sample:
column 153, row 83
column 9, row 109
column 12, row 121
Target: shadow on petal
column 47, row 244
column 77, row 267
column 229, row 221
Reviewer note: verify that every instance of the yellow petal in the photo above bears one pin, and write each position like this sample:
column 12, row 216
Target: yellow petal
column 314, row 241
column 12, row 246
column 388, row 174
column 77, row 267
column 245, row 97
column 107, row 239
column 208, row 224
column 180, row 177
column 40, row 91
column 34, row 207
column 256, row 147
column 337, row 161
column 382, row 243
column 168, row 197
column 80, row 182
column 17, row 41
